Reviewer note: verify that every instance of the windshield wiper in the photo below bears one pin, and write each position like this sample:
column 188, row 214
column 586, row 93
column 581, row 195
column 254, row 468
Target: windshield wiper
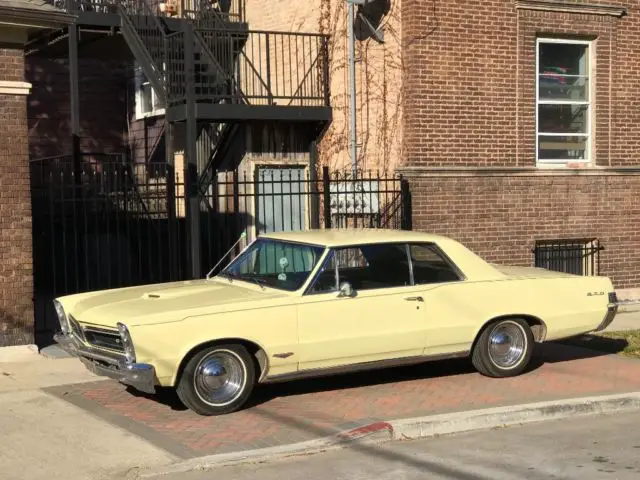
column 258, row 282
column 229, row 275
column 236, row 276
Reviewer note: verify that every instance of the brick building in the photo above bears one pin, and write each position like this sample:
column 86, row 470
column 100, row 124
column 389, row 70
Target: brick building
column 513, row 120
column 18, row 19
column 522, row 129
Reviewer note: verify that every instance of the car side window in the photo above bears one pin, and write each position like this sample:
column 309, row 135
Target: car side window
column 366, row 267
column 326, row 280
column 430, row 266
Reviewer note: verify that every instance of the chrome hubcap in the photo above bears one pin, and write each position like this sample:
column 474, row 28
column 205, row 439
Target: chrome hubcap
column 507, row 344
column 220, row 378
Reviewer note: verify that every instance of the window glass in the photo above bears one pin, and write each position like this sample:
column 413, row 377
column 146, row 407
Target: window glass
column 429, row 266
column 564, row 102
column 366, row 267
column 275, row 264
column 326, row 281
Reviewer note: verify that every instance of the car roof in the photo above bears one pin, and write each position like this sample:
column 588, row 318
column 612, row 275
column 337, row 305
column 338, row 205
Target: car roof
column 353, row 236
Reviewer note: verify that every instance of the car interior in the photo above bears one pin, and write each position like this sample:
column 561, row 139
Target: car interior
column 370, row 267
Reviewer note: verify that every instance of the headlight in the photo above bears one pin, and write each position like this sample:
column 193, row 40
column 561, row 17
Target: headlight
column 62, row 317
column 129, row 351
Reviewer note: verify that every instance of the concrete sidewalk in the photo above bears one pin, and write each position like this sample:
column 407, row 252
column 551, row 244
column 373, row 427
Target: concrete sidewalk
column 45, row 437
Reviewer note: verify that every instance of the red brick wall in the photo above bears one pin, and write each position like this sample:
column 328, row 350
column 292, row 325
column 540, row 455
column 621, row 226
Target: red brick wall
column 501, row 217
column 16, row 307
column 470, row 100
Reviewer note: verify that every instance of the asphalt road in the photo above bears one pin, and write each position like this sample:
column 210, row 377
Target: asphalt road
column 606, row 447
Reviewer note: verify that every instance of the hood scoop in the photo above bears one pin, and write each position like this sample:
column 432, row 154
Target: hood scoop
column 182, row 291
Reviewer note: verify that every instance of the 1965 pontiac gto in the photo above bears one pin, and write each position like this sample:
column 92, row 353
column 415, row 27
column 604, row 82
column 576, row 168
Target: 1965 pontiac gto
column 314, row 303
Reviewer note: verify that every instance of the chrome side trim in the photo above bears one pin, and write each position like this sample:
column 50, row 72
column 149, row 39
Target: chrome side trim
column 105, row 331
column 359, row 367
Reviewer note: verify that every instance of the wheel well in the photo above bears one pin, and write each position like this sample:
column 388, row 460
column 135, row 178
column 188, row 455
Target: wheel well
column 538, row 327
column 255, row 350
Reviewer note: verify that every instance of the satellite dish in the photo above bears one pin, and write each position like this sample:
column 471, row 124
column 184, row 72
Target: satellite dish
column 368, row 20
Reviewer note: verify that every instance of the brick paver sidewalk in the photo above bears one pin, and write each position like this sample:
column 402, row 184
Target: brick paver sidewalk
column 304, row 410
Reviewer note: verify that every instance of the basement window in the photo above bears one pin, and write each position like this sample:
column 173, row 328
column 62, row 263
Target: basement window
column 574, row 256
column 564, row 102
column 148, row 102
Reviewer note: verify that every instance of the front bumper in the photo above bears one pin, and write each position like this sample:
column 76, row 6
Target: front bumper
column 140, row 376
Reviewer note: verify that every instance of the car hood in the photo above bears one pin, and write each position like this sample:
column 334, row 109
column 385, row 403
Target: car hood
column 167, row 302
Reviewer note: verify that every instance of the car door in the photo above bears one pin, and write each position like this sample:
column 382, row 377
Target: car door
column 449, row 312
column 382, row 319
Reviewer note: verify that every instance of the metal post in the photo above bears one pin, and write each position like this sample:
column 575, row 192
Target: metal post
column 352, row 82
column 74, row 94
column 326, row 190
column 171, row 201
column 268, row 61
column 313, row 180
column 191, row 164
column 405, row 199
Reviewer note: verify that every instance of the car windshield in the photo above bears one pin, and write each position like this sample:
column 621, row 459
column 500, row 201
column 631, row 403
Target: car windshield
column 276, row 264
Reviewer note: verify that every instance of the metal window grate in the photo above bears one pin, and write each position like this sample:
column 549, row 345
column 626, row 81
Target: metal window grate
column 574, row 256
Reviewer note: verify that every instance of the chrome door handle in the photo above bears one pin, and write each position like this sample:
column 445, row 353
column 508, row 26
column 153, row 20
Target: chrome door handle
column 414, row 299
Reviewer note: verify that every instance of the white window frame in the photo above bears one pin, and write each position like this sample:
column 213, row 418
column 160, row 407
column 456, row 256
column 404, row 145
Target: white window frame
column 141, row 81
column 589, row 102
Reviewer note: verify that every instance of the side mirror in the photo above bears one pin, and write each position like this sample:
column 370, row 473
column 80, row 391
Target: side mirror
column 346, row 290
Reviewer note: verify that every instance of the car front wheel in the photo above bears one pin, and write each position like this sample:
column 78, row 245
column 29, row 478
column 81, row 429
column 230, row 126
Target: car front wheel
column 217, row 380
column 504, row 348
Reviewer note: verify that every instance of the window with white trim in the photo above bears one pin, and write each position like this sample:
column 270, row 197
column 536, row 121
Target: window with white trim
column 564, row 101
column 148, row 103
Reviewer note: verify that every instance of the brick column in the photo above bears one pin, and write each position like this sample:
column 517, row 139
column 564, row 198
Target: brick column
column 16, row 272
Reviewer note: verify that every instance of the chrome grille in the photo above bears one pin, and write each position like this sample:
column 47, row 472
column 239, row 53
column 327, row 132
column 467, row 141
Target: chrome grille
column 76, row 329
column 104, row 338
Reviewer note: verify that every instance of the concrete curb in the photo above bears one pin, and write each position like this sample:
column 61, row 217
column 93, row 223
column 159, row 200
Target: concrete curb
column 413, row 428
column 629, row 307
column 18, row 353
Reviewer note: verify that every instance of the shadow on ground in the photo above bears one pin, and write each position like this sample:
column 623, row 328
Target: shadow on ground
column 577, row 348
column 597, row 343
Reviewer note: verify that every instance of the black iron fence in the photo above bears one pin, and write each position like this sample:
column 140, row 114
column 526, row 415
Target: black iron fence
column 575, row 256
column 106, row 223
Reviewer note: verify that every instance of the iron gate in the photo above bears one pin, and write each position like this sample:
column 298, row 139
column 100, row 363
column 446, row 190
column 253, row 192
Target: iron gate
column 110, row 224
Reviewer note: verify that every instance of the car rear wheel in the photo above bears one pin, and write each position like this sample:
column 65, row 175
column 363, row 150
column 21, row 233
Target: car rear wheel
column 217, row 380
column 504, row 348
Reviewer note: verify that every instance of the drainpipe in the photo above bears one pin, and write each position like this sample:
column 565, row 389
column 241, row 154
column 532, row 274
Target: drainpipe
column 352, row 85
column 352, row 80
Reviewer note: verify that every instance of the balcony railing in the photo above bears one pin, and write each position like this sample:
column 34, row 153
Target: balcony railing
column 254, row 67
column 221, row 10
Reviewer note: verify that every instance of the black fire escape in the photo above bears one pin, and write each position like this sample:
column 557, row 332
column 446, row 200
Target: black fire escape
column 213, row 73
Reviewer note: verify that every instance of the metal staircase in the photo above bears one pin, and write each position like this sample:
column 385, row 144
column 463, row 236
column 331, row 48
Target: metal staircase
column 146, row 35
column 208, row 67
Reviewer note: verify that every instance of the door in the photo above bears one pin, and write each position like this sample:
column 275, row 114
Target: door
column 449, row 312
column 382, row 319
column 280, row 202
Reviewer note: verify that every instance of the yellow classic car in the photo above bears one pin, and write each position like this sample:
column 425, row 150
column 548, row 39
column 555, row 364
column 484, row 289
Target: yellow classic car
column 311, row 303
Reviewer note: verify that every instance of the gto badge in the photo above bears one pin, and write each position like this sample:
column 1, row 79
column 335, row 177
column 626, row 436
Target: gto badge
column 594, row 294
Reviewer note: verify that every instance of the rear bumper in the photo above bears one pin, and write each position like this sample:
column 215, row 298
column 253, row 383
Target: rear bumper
column 612, row 311
column 140, row 376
